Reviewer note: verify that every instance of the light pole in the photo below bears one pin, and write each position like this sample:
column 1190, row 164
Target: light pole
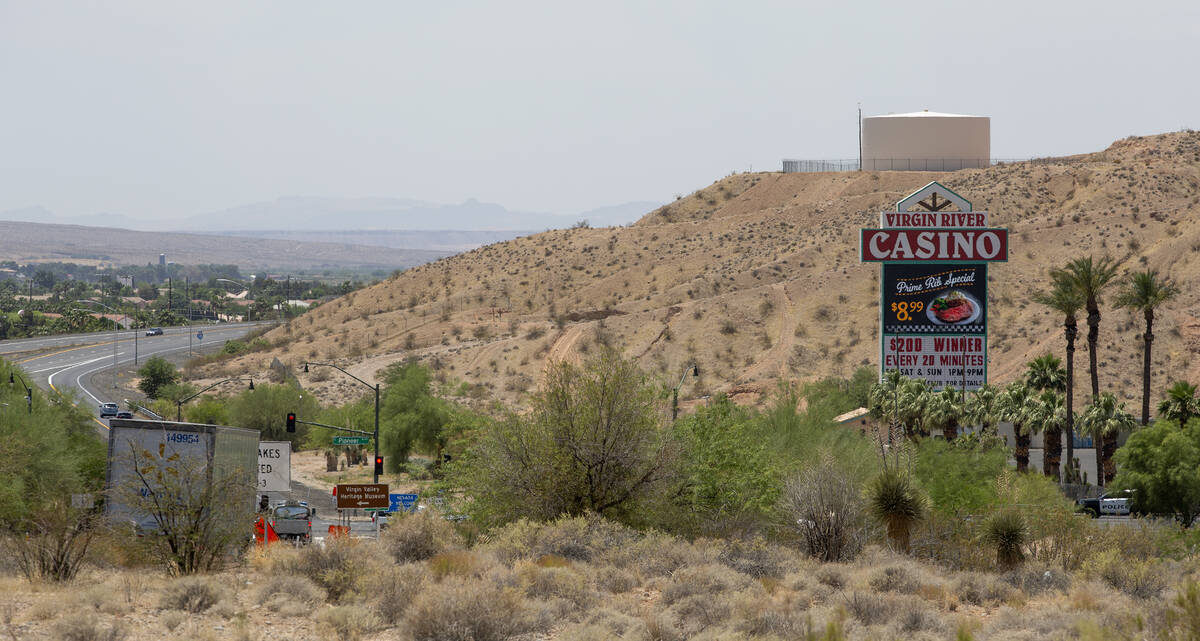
column 374, row 387
column 28, row 391
column 116, row 335
column 675, row 397
column 179, row 403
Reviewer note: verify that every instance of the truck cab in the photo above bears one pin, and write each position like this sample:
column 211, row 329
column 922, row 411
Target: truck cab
column 293, row 521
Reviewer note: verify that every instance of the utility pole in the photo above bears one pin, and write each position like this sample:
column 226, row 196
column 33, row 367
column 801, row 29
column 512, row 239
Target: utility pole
column 187, row 292
column 860, row 167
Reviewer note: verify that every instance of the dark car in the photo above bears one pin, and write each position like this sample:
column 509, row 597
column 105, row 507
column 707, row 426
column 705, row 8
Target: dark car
column 124, row 414
column 108, row 410
column 156, row 331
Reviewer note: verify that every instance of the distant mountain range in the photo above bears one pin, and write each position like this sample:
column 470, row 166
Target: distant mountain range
column 311, row 214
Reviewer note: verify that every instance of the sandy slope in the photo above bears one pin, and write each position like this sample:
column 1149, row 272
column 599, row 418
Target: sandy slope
column 757, row 277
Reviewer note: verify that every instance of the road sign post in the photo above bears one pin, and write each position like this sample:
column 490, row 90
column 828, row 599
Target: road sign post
column 402, row 502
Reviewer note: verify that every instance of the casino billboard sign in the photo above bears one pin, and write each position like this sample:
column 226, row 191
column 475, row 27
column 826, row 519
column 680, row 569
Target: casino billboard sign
column 933, row 287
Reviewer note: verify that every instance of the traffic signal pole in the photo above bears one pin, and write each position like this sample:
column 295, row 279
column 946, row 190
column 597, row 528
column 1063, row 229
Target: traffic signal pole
column 374, row 387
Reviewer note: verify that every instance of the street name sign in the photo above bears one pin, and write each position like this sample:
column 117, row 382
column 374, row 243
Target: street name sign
column 274, row 466
column 362, row 496
column 350, row 440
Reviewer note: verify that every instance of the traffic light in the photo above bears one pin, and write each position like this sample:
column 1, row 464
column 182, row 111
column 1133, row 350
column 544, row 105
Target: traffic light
column 291, row 422
column 379, row 465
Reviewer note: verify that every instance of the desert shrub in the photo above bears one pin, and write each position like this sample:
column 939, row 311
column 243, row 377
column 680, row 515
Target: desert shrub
column 573, row 538
column 1183, row 615
column 83, row 627
column 604, row 624
column 832, row 576
column 982, row 589
column 657, row 554
column 288, row 588
column 555, row 583
column 337, row 565
column 704, row 580
column 172, row 619
column 456, row 563
column 755, row 556
column 193, row 594
column 347, row 622
column 1034, row 579
column 388, row 590
column 897, row 503
column 420, row 536
column 826, row 509
column 615, row 580
column 870, row 608
column 1007, row 531
column 461, row 610
column 1141, row 579
column 894, row 578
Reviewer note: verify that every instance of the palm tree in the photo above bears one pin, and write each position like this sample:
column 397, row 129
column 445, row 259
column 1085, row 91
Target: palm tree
column 1014, row 403
column 1145, row 291
column 1089, row 278
column 945, row 410
column 1104, row 419
column 1046, row 374
column 982, row 408
column 1045, row 413
column 915, row 394
column 1064, row 298
column 1180, row 403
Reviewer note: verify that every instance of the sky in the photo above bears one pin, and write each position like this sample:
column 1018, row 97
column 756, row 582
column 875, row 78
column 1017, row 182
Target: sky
column 168, row 109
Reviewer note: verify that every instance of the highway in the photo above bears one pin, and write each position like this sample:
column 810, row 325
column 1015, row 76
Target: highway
column 82, row 363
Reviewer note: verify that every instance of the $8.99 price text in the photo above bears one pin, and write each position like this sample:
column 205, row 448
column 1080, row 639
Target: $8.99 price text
column 904, row 309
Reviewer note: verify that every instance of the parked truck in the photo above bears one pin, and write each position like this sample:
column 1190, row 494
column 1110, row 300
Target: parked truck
column 155, row 466
column 293, row 521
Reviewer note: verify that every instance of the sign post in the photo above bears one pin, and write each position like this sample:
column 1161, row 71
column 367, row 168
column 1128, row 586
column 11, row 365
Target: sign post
column 933, row 287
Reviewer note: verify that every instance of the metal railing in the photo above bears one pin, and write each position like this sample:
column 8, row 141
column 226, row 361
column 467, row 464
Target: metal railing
column 797, row 166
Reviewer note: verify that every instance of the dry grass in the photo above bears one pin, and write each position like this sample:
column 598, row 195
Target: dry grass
column 588, row 579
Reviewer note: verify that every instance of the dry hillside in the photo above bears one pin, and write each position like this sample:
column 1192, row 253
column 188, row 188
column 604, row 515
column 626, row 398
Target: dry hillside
column 756, row 278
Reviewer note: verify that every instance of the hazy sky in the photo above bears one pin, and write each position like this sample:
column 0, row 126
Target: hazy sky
column 174, row 108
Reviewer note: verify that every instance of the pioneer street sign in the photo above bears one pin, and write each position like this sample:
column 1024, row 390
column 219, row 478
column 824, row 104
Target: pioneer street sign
column 362, row 496
column 350, row 440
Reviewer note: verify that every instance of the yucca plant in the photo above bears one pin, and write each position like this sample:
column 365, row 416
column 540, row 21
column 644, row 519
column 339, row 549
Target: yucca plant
column 1007, row 531
column 898, row 504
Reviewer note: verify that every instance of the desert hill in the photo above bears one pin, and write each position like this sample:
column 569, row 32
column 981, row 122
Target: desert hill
column 33, row 242
column 756, row 278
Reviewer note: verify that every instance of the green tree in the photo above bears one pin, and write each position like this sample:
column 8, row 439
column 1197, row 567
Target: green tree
column 945, row 410
column 265, row 408
column 1104, row 419
column 593, row 441
column 958, row 479
column 1046, row 413
column 1145, row 291
column 1046, row 373
column 155, row 374
column 1180, row 404
column 727, row 475
column 411, row 416
column 1014, row 402
column 1161, row 463
column 983, row 408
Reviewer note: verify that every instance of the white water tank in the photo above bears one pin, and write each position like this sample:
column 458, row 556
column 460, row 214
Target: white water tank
column 925, row 141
